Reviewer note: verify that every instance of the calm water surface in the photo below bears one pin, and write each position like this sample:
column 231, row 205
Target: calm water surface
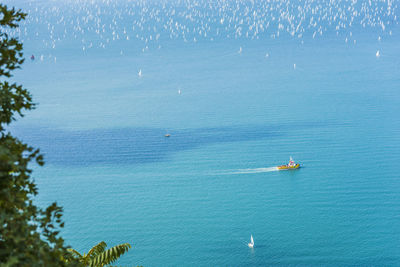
column 193, row 199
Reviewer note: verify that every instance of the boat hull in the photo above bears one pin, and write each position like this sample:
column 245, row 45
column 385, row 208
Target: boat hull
column 286, row 167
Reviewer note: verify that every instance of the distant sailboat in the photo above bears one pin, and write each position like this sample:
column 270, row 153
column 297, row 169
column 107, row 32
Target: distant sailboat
column 140, row 73
column 251, row 244
column 378, row 54
column 179, row 91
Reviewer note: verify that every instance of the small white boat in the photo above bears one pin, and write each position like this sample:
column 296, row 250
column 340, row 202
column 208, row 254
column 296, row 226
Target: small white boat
column 140, row 73
column 251, row 244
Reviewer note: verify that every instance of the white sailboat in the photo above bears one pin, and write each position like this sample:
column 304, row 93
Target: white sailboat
column 251, row 244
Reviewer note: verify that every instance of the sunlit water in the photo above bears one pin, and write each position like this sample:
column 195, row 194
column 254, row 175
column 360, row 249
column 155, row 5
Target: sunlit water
column 244, row 107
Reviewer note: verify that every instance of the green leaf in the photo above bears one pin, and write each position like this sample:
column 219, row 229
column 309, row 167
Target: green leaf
column 110, row 255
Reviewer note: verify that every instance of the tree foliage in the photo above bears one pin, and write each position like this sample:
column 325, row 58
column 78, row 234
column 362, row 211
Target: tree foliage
column 98, row 256
column 29, row 235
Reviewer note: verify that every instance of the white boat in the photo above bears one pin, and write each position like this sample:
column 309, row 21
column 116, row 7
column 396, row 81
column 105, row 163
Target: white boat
column 251, row 244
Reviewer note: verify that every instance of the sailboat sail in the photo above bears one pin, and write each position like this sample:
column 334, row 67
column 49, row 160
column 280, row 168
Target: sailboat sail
column 251, row 244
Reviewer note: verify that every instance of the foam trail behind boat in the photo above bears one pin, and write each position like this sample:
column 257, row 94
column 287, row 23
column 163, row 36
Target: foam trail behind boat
column 256, row 170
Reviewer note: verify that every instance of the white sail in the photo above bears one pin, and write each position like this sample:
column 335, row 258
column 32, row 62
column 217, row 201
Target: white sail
column 251, row 244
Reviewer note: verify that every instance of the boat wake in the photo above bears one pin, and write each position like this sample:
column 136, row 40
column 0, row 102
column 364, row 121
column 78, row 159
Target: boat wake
column 256, row 170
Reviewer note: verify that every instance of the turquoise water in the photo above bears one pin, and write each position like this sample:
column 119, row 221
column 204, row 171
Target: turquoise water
column 193, row 199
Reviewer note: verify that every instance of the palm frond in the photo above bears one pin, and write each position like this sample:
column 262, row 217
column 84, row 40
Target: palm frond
column 97, row 250
column 75, row 253
column 110, row 255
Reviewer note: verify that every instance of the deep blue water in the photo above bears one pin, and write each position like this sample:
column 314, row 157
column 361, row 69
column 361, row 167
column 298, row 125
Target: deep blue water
column 193, row 199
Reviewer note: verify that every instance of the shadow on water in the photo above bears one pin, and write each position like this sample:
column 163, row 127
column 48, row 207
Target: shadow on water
column 139, row 145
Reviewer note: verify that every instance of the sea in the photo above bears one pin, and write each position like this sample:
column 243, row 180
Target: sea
column 234, row 107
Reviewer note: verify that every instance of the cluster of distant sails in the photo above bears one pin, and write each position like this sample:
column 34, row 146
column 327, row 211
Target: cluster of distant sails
column 99, row 23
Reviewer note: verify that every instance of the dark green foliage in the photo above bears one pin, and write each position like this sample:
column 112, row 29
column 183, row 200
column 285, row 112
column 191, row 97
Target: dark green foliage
column 29, row 235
